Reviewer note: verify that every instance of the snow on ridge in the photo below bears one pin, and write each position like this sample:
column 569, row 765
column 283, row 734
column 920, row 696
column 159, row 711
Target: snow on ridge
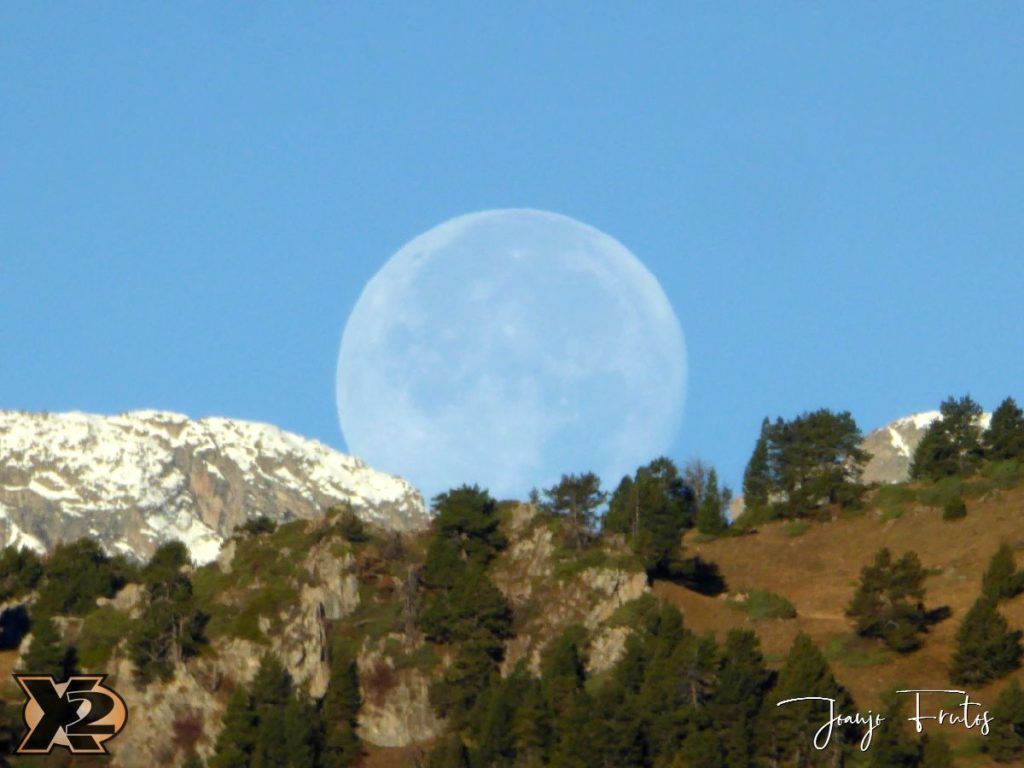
column 73, row 464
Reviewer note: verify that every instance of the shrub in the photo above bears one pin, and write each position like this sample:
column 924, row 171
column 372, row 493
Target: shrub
column 954, row 509
column 940, row 492
column 763, row 604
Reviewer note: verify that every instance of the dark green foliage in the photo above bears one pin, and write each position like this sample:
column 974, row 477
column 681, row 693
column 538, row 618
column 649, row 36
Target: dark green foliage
column 471, row 608
column 739, row 696
column 714, row 502
column 652, row 510
column 986, row 648
column 763, row 604
column 576, row 498
column 171, row 628
column 1002, row 581
column 757, row 479
column 470, row 674
column 954, row 508
column 450, row 752
column 256, row 526
column 1004, row 438
column 952, row 443
column 935, row 752
column 20, row 572
column 801, row 465
column 340, row 714
column 468, row 516
column 270, row 724
column 888, row 601
column 786, row 733
column 75, row 575
column 1005, row 741
column 892, row 745
column 47, row 653
column 166, row 563
column 351, row 526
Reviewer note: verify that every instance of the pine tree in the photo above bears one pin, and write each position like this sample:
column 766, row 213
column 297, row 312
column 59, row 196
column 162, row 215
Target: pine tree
column 171, row 629
column 952, row 443
column 576, row 499
column 739, row 695
column 892, row 745
column 20, row 571
column 757, row 480
column 986, row 648
column 623, row 515
column 1005, row 741
column 270, row 725
column 449, row 753
column 1002, row 581
column 340, row 714
column 470, row 674
column 711, row 517
column 532, row 727
column 1004, row 438
column 47, row 653
column 888, row 601
column 237, row 736
column 935, row 752
column 784, row 729
column 468, row 516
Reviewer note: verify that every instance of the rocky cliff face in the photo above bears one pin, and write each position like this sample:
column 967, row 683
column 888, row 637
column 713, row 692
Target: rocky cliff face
column 139, row 479
column 892, row 446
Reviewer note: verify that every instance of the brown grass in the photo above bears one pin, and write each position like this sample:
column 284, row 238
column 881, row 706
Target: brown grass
column 818, row 571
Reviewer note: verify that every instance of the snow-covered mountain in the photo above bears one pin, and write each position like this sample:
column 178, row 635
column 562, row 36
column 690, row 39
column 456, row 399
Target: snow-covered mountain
column 892, row 446
column 139, row 479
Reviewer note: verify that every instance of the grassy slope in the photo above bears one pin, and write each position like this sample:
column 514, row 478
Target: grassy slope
column 817, row 571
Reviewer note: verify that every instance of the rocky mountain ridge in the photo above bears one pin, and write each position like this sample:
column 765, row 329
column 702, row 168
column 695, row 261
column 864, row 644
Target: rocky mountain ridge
column 136, row 480
column 892, row 446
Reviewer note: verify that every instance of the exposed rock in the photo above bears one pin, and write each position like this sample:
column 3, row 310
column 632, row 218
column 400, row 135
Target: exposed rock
column 134, row 481
column 396, row 709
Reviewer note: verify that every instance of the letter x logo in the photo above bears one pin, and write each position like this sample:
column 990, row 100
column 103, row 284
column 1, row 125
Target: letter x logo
column 79, row 714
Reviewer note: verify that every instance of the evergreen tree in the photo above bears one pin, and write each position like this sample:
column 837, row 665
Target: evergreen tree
column 340, row 714
column 238, row 733
column 47, row 652
column 1005, row 741
column 20, row 571
column 1002, row 581
column 473, row 608
column 576, row 499
column 757, row 481
column 171, row 629
column 1004, row 438
column 468, row 516
column 986, row 648
column 623, row 515
column 75, row 575
column 952, row 443
column 270, row 725
column 935, row 752
column 888, row 601
column 532, row 727
column 785, row 731
column 449, row 753
column 739, row 695
column 470, row 674
column 892, row 745
column 711, row 517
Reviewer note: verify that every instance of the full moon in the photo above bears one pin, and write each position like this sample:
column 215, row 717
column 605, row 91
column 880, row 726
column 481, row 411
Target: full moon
column 506, row 348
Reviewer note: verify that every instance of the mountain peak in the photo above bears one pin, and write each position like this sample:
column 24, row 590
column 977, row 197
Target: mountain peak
column 138, row 479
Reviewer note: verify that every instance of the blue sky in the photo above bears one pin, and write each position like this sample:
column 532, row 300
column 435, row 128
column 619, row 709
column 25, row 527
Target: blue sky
column 192, row 195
